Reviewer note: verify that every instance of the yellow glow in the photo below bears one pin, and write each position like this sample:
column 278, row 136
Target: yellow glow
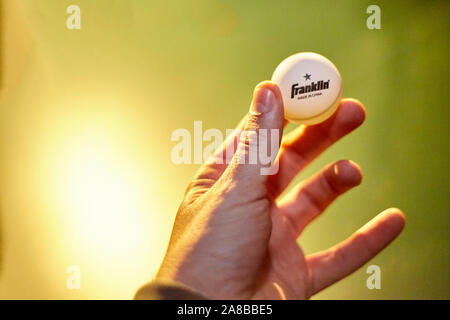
column 87, row 180
column 99, row 184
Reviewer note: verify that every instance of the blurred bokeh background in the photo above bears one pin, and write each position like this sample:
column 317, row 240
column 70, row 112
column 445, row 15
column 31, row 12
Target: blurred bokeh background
column 86, row 117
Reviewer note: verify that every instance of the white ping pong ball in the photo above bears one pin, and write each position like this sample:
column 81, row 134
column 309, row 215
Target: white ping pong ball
column 311, row 87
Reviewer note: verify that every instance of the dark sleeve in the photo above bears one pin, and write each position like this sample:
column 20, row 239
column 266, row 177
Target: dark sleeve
column 162, row 290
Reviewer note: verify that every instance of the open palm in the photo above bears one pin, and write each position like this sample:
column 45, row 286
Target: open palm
column 234, row 238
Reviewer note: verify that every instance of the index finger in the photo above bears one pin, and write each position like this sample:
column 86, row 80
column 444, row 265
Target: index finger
column 304, row 144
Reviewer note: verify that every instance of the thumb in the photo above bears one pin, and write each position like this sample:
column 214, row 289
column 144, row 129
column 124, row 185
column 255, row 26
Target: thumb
column 259, row 141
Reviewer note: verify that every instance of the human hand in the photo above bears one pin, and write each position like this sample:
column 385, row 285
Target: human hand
column 234, row 239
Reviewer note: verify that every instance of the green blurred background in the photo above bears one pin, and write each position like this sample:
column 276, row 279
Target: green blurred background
column 86, row 174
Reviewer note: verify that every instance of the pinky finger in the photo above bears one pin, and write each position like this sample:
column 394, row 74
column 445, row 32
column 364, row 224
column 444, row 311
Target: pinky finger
column 333, row 264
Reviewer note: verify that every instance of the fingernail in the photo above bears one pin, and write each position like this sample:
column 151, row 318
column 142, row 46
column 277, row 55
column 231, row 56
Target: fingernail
column 264, row 100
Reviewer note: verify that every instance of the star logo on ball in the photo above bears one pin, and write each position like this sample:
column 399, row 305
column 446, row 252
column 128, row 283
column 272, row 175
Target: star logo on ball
column 307, row 76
